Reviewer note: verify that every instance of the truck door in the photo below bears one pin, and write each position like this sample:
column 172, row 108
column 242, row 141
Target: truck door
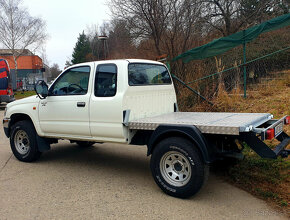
column 106, row 113
column 65, row 112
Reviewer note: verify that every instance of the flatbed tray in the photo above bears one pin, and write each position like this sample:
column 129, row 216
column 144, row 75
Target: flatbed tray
column 206, row 122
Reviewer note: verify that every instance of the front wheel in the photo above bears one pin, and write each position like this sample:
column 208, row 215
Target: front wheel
column 177, row 167
column 23, row 141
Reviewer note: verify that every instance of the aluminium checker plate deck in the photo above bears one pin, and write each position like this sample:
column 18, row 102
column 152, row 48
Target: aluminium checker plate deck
column 206, row 122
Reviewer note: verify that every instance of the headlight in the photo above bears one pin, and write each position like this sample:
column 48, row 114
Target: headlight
column 5, row 111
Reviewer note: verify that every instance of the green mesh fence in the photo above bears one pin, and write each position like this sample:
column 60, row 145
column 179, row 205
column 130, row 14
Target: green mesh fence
column 221, row 45
column 239, row 66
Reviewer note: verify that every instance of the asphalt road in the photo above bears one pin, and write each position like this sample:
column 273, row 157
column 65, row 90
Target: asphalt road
column 109, row 181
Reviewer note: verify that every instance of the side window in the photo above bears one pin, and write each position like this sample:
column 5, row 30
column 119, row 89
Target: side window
column 106, row 80
column 142, row 74
column 74, row 81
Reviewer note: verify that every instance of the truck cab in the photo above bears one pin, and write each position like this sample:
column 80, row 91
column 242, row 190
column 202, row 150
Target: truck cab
column 89, row 101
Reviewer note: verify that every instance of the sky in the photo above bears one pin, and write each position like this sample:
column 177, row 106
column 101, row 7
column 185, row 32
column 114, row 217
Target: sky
column 65, row 19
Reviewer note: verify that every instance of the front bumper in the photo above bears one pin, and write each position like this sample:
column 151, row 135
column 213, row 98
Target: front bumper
column 6, row 122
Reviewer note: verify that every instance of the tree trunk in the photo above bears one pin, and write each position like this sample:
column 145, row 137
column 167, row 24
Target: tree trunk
column 157, row 47
column 16, row 70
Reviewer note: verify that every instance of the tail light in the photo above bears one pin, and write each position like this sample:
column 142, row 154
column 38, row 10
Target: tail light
column 287, row 120
column 270, row 133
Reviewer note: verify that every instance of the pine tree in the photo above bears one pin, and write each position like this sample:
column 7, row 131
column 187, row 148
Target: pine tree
column 81, row 49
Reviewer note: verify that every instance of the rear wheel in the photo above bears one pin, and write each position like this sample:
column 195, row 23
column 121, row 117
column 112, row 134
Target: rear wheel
column 23, row 141
column 177, row 167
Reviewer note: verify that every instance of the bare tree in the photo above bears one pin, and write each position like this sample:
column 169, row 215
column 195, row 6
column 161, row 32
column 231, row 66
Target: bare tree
column 182, row 26
column 229, row 16
column 173, row 26
column 120, row 41
column 186, row 33
column 18, row 30
column 43, row 55
column 92, row 34
column 145, row 18
column 55, row 70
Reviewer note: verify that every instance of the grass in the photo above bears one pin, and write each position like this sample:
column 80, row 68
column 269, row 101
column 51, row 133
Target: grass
column 265, row 178
column 21, row 95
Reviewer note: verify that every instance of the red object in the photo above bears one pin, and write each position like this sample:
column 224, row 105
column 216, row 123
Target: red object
column 270, row 134
column 6, row 92
column 3, row 92
column 3, row 74
column 4, row 65
column 19, row 84
column 287, row 120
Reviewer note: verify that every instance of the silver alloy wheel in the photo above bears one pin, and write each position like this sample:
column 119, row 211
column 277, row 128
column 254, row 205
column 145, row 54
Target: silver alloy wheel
column 21, row 142
column 175, row 168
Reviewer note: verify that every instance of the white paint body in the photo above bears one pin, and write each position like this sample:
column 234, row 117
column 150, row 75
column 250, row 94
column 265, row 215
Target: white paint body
column 101, row 120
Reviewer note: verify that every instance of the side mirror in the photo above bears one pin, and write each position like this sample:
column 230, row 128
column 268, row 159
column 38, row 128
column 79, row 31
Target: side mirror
column 41, row 89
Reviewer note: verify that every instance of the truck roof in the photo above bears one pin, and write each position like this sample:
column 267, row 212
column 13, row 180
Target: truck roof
column 143, row 61
column 123, row 60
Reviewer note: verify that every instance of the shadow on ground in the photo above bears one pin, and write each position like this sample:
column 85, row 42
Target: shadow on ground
column 99, row 157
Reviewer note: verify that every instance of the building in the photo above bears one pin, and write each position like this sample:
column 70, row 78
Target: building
column 30, row 69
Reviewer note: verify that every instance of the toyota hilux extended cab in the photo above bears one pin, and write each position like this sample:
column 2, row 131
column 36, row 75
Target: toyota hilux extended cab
column 134, row 102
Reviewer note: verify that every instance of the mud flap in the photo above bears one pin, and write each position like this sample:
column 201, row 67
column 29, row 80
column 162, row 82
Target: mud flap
column 42, row 144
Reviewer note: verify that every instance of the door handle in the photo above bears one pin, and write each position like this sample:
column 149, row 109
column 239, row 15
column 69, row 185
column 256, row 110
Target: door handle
column 81, row 104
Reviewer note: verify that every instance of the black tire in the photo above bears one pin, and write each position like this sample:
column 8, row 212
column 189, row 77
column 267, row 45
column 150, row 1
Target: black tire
column 189, row 167
column 25, row 150
column 85, row 143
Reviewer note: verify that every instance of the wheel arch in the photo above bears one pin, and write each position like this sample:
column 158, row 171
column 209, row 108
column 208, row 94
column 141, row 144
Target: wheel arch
column 18, row 117
column 43, row 144
column 190, row 133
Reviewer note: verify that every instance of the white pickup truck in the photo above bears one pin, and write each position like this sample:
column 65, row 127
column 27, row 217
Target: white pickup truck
column 134, row 102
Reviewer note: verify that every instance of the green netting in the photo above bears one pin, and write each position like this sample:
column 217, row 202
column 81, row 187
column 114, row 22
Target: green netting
column 224, row 44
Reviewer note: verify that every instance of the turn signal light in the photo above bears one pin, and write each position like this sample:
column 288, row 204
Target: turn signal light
column 287, row 120
column 270, row 134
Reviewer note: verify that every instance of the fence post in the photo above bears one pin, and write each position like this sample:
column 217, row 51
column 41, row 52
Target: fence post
column 245, row 68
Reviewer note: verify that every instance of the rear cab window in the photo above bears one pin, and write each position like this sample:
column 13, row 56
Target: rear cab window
column 142, row 74
column 106, row 80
